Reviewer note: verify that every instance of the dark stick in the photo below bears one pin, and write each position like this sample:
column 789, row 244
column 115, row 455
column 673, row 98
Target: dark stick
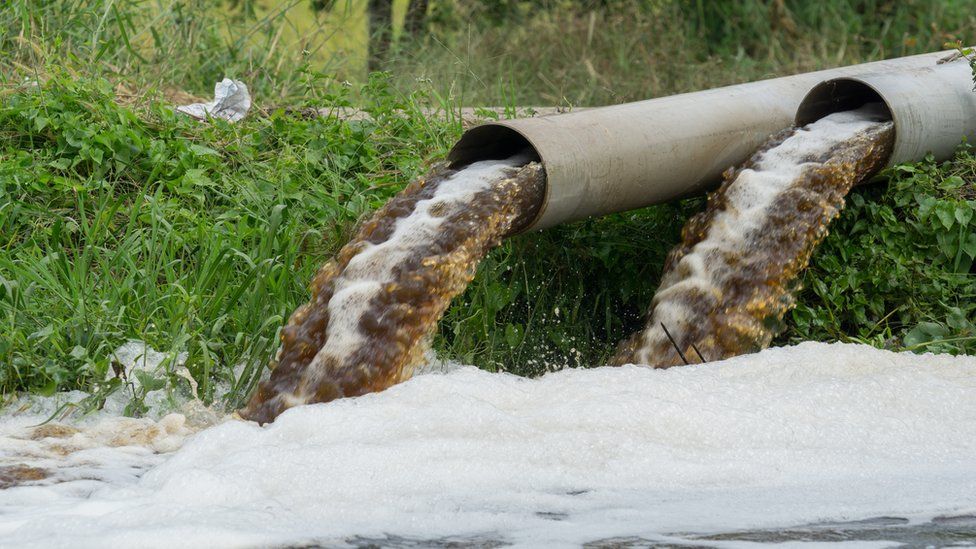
column 698, row 353
column 675, row 343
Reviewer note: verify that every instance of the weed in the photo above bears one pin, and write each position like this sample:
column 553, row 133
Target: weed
column 192, row 237
column 897, row 269
column 598, row 52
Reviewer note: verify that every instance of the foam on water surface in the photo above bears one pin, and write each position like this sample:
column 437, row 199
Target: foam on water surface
column 788, row 436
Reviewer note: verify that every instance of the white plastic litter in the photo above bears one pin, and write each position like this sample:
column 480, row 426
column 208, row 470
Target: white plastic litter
column 789, row 436
column 231, row 102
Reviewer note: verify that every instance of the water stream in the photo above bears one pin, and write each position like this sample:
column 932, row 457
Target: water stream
column 727, row 285
column 375, row 306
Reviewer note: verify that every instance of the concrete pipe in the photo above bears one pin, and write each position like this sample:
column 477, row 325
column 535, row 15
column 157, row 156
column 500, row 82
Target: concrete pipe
column 623, row 157
column 933, row 108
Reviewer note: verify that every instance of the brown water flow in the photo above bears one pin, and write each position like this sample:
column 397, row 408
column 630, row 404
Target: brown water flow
column 729, row 282
column 375, row 306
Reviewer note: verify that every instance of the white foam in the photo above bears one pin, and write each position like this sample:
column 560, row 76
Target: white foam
column 77, row 460
column 370, row 269
column 787, row 436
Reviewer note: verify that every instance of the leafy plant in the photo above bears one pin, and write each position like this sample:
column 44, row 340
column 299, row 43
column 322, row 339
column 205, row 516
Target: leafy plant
column 967, row 53
column 121, row 224
column 897, row 269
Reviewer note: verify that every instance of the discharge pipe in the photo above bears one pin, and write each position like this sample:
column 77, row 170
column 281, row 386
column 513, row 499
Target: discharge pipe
column 623, row 157
column 933, row 108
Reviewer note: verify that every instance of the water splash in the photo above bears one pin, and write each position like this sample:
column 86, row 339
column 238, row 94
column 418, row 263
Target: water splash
column 374, row 307
column 729, row 282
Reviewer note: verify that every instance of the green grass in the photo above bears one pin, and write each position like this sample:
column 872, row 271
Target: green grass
column 145, row 224
column 172, row 45
column 897, row 270
column 640, row 49
column 120, row 219
column 580, row 53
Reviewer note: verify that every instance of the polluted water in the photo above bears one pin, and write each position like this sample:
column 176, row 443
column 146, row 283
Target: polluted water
column 727, row 285
column 827, row 442
column 375, row 306
column 814, row 442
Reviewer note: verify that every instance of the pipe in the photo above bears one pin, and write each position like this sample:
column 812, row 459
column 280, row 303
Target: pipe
column 624, row 157
column 933, row 108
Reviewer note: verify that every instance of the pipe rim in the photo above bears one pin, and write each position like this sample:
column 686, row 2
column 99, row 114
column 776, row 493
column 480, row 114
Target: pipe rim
column 838, row 95
column 497, row 141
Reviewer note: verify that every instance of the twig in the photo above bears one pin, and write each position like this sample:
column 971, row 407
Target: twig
column 698, row 353
column 675, row 343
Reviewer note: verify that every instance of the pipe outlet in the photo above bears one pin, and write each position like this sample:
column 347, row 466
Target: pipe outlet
column 933, row 108
column 612, row 159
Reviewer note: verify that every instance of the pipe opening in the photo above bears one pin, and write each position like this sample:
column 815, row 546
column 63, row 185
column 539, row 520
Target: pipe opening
column 489, row 142
column 497, row 142
column 841, row 94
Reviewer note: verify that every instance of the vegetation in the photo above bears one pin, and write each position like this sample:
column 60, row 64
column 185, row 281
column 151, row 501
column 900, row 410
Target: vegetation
column 120, row 219
column 498, row 52
column 120, row 223
column 897, row 270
